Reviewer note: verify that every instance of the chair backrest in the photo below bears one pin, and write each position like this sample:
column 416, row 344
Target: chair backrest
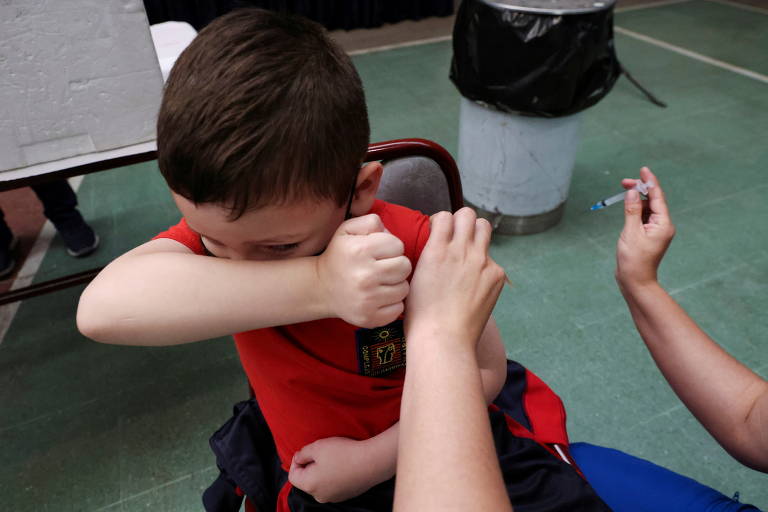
column 419, row 174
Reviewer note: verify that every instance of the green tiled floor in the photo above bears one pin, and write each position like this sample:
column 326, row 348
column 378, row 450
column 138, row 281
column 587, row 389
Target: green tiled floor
column 87, row 427
column 713, row 29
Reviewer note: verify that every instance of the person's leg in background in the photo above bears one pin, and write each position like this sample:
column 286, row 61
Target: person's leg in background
column 630, row 484
column 60, row 206
column 7, row 248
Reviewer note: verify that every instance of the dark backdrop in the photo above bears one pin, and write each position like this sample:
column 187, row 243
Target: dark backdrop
column 333, row 14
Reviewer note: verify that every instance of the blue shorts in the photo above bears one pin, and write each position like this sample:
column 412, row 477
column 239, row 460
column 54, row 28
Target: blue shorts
column 630, row 484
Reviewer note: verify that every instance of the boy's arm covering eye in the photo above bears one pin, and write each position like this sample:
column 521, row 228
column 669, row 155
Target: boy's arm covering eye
column 161, row 293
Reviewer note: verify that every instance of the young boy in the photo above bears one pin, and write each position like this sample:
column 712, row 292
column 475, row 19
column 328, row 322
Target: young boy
column 261, row 136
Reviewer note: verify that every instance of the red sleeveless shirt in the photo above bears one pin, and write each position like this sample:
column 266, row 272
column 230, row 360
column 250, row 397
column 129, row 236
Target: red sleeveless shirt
column 313, row 380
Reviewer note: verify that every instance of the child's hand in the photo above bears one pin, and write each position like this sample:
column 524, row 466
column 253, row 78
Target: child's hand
column 456, row 284
column 334, row 469
column 364, row 273
column 647, row 233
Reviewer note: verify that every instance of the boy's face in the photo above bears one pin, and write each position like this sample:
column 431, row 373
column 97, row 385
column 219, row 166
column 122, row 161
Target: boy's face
column 302, row 228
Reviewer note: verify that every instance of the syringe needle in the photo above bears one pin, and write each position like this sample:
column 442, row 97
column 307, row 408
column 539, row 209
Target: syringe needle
column 640, row 187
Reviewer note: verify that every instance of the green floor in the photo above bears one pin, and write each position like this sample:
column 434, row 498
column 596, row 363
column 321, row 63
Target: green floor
column 87, row 427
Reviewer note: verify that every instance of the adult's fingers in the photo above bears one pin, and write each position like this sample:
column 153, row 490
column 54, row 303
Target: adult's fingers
column 629, row 183
column 464, row 225
column 656, row 199
column 633, row 210
column 498, row 277
column 483, row 231
column 441, row 228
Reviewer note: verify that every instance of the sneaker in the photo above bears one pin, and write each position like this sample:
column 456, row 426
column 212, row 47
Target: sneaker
column 80, row 239
column 8, row 258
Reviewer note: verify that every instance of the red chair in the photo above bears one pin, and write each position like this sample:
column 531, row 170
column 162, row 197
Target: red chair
column 419, row 174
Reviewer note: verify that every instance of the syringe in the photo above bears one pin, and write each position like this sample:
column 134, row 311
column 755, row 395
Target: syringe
column 641, row 187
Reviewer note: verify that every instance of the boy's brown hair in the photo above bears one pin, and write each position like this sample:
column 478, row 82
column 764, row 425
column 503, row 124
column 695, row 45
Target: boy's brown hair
column 260, row 109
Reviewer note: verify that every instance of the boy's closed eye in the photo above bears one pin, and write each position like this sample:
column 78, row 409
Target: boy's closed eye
column 281, row 248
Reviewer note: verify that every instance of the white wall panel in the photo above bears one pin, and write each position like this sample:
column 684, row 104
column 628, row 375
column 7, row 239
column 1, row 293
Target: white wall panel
column 76, row 76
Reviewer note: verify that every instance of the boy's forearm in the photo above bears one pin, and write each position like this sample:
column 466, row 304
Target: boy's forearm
column 492, row 382
column 492, row 361
column 722, row 393
column 169, row 298
column 382, row 450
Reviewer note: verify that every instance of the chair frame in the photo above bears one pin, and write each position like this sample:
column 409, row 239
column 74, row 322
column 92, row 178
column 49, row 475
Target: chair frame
column 388, row 150
column 403, row 148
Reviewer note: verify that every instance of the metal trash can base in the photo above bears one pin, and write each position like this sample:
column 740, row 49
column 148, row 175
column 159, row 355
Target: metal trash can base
column 520, row 224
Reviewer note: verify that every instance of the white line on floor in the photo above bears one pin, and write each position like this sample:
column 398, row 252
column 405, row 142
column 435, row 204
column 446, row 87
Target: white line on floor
column 46, row 415
column 658, row 415
column 30, row 267
column 674, row 292
column 447, row 37
column 416, row 42
column 145, row 492
column 722, row 198
column 693, row 55
column 157, row 487
column 745, row 7
column 650, row 5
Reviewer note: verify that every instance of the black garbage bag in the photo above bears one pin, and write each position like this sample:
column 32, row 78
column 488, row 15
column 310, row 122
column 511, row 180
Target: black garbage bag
column 533, row 63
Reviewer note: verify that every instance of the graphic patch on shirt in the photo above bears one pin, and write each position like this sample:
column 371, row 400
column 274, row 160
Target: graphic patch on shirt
column 381, row 350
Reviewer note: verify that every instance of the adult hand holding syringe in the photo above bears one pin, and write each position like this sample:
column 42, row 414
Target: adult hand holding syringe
column 733, row 406
column 647, row 232
column 640, row 186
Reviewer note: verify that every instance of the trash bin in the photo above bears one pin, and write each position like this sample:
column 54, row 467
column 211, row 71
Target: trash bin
column 525, row 70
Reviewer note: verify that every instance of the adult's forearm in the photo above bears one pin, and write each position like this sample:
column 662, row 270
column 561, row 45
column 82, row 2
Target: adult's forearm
column 490, row 353
column 446, row 459
column 384, row 446
column 728, row 398
column 169, row 298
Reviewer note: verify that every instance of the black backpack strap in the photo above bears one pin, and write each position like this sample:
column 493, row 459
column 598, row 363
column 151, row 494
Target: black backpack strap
column 537, row 481
column 222, row 496
column 510, row 399
column 247, row 456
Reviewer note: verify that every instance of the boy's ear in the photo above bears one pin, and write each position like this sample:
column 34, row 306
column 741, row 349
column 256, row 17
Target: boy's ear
column 368, row 180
